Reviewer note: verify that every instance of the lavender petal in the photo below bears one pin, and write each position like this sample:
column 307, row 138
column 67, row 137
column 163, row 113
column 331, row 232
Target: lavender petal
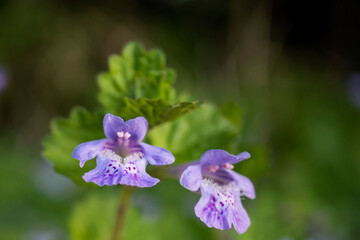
column 218, row 157
column 157, row 155
column 137, row 128
column 214, row 207
column 107, row 172
column 241, row 219
column 113, row 125
column 134, row 174
column 244, row 183
column 87, row 150
column 191, row 178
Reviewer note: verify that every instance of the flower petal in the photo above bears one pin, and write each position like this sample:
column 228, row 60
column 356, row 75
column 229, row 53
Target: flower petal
column 157, row 155
column 87, row 150
column 217, row 156
column 107, row 172
column 215, row 205
column 137, row 127
column 244, row 183
column 241, row 219
column 242, row 156
column 112, row 125
column 191, row 178
column 134, row 174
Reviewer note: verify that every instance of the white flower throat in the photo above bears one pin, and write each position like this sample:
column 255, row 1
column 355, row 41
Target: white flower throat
column 222, row 195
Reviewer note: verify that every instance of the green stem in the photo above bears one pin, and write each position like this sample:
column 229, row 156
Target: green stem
column 121, row 212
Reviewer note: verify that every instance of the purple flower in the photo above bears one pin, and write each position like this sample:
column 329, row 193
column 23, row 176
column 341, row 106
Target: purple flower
column 122, row 157
column 3, row 78
column 221, row 188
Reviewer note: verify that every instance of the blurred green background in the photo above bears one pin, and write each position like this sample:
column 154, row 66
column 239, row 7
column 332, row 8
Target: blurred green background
column 285, row 72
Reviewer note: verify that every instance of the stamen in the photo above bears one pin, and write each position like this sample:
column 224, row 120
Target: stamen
column 228, row 166
column 213, row 168
column 127, row 135
column 120, row 134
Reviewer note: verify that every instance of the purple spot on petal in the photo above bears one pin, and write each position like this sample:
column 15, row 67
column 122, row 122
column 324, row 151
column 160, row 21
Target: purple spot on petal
column 107, row 171
column 114, row 167
column 110, row 165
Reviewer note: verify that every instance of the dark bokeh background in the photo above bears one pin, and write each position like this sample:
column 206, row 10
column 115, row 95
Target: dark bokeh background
column 292, row 66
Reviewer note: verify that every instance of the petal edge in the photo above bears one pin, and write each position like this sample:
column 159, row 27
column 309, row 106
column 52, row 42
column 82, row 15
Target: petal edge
column 191, row 178
column 87, row 150
column 157, row 155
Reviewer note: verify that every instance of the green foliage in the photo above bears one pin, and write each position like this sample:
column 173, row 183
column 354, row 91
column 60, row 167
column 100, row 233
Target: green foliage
column 93, row 219
column 156, row 111
column 193, row 134
column 136, row 74
column 139, row 84
column 65, row 135
column 24, row 203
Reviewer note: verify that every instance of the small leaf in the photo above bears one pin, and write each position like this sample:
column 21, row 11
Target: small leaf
column 65, row 135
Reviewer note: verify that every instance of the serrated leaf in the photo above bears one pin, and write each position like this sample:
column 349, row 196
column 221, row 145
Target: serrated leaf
column 136, row 74
column 155, row 111
column 193, row 134
column 65, row 135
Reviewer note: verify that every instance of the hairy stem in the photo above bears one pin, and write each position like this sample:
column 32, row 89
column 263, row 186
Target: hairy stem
column 121, row 212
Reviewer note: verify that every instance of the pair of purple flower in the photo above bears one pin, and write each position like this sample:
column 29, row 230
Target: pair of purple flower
column 122, row 159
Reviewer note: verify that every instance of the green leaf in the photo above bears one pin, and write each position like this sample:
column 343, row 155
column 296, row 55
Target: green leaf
column 139, row 84
column 155, row 111
column 193, row 134
column 136, row 74
column 65, row 135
